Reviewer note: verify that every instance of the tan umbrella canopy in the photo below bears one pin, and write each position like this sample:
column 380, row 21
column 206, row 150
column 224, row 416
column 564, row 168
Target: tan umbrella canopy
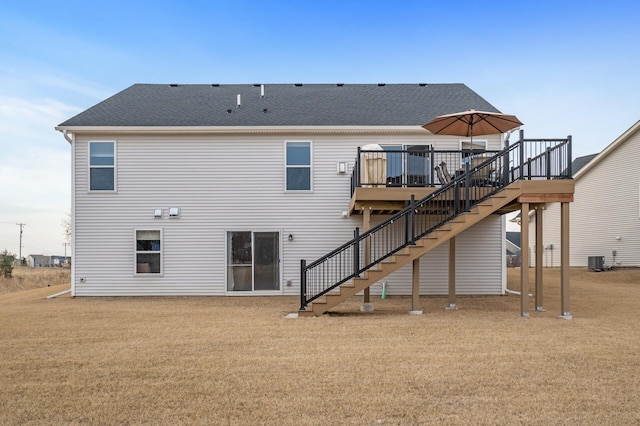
column 472, row 122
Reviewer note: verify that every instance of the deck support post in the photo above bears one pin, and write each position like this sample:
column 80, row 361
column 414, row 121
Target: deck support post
column 524, row 260
column 564, row 261
column 366, row 225
column 415, row 289
column 539, row 249
column 452, row 275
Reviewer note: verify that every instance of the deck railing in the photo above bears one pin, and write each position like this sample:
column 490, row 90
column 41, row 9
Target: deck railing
column 427, row 167
column 413, row 167
column 525, row 159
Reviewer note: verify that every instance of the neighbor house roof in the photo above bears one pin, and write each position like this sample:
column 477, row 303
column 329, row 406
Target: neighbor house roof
column 212, row 105
column 514, row 238
column 580, row 162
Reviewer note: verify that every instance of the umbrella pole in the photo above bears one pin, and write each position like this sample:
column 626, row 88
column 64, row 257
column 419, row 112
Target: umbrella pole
column 470, row 139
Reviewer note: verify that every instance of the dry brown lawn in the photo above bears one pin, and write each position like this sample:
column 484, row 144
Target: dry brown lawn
column 239, row 361
column 30, row 278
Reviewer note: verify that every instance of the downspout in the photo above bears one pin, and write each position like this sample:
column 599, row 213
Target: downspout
column 72, row 290
column 66, row 136
column 59, row 294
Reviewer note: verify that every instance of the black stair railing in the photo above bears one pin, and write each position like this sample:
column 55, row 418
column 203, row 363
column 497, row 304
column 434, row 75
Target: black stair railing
column 480, row 179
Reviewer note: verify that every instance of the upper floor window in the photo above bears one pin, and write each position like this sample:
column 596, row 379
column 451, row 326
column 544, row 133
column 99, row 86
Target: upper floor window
column 298, row 166
column 102, row 164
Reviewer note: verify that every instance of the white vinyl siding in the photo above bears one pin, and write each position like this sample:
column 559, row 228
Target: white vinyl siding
column 233, row 183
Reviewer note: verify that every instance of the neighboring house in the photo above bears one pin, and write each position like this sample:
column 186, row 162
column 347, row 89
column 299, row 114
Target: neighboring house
column 38, row 261
column 223, row 189
column 42, row 261
column 513, row 249
column 60, row 260
column 605, row 214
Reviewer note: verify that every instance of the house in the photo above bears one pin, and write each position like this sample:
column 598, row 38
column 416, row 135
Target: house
column 604, row 219
column 235, row 189
column 60, row 261
column 513, row 249
column 40, row 261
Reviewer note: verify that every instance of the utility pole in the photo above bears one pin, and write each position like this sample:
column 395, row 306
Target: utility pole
column 21, row 225
column 65, row 244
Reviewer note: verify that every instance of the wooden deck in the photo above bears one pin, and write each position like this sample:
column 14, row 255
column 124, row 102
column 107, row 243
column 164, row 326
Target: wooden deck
column 388, row 200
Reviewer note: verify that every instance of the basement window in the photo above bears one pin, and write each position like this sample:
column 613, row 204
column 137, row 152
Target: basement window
column 148, row 251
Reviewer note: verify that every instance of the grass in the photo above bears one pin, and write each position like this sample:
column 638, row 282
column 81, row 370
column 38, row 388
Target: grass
column 30, row 278
column 239, row 361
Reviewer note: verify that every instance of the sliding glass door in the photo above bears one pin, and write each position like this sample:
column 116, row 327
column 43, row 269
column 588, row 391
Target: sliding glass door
column 418, row 165
column 253, row 261
column 408, row 165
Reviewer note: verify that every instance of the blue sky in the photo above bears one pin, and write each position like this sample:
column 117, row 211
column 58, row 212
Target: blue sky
column 561, row 67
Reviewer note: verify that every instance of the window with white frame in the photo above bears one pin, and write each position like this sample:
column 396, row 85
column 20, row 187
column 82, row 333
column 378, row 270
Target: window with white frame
column 298, row 166
column 102, row 166
column 148, row 251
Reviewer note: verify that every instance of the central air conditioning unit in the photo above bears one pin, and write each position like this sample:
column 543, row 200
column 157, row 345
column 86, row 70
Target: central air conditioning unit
column 596, row 263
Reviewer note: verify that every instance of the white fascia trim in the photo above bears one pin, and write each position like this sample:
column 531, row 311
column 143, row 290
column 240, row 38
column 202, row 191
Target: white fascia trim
column 252, row 130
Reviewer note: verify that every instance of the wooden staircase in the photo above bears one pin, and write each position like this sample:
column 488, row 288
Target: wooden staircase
column 408, row 254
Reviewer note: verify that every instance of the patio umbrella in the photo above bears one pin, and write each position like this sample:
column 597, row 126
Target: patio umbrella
column 470, row 122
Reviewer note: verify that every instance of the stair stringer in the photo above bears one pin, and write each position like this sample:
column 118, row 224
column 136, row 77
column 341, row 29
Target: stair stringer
column 407, row 255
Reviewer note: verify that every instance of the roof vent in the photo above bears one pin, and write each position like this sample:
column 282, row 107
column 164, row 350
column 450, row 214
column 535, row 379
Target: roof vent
column 229, row 111
column 239, row 101
column 298, row 84
column 340, row 84
column 422, row 84
column 382, row 84
column 215, row 85
column 173, row 85
column 265, row 110
column 262, row 91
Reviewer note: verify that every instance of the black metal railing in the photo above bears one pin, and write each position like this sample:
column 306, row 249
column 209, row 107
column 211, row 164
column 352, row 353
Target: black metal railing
column 417, row 166
column 481, row 178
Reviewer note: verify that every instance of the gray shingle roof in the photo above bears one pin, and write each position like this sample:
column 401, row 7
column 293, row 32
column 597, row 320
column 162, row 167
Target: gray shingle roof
column 580, row 162
column 282, row 105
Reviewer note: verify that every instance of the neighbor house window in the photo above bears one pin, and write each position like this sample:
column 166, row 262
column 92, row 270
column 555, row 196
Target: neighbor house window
column 298, row 166
column 148, row 251
column 102, row 164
